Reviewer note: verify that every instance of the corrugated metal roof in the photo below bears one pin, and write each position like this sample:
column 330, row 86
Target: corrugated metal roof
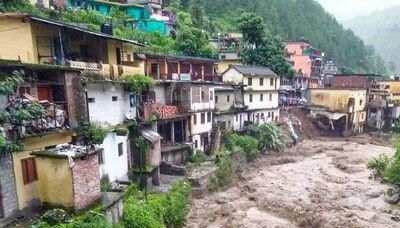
column 254, row 70
column 151, row 135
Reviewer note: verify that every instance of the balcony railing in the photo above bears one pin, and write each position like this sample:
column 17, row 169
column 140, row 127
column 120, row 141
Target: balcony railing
column 54, row 118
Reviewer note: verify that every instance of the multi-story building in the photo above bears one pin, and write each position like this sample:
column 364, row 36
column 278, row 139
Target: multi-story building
column 145, row 15
column 338, row 109
column 55, row 100
column 42, row 41
column 228, row 47
column 307, row 62
column 261, row 91
column 360, row 81
column 329, row 68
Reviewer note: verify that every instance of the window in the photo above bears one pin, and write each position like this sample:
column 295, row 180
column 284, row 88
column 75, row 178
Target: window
column 261, row 81
column 228, row 98
column 195, row 119
column 154, row 69
column 261, row 97
column 91, row 100
column 101, row 156
column 211, row 95
column 271, row 82
column 114, row 98
column 29, row 173
column 270, row 97
column 196, row 143
column 361, row 101
column 216, row 99
column 236, row 117
column 208, row 117
column 251, row 97
column 250, row 81
column 203, row 118
column 120, row 149
column 202, row 96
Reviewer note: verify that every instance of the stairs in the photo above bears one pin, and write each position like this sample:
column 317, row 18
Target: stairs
column 215, row 137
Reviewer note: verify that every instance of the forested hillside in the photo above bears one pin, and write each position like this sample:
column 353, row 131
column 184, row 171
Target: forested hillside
column 385, row 37
column 293, row 19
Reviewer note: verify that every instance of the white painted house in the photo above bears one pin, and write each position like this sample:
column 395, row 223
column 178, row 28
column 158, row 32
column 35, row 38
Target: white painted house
column 110, row 104
column 229, row 107
column 261, row 91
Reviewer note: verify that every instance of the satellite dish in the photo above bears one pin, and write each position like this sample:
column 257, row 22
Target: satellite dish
column 129, row 116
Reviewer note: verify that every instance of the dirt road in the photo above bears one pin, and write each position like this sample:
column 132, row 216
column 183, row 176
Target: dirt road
column 320, row 183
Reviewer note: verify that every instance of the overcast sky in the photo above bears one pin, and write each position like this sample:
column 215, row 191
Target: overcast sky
column 347, row 9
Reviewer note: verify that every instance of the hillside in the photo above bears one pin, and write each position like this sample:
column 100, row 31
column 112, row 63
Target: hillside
column 293, row 19
column 382, row 30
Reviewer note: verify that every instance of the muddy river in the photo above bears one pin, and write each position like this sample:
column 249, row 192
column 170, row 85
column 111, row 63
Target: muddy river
column 319, row 183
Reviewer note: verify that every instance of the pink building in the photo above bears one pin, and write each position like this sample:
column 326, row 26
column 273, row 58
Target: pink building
column 306, row 61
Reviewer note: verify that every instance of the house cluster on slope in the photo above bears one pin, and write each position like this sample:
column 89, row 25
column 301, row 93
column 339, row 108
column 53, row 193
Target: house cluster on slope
column 185, row 111
column 145, row 15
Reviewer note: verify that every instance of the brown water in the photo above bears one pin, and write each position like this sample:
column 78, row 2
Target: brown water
column 320, row 183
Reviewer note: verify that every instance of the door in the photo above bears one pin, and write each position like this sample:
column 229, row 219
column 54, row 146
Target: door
column 43, row 93
column 57, row 50
column 206, row 146
column 118, row 52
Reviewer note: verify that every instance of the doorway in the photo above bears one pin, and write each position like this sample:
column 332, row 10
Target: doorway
column 118, row 52
column 1, row 203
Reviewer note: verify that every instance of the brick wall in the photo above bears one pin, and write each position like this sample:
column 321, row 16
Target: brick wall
column 75, row 97
column 7, row 186
column 86, row 182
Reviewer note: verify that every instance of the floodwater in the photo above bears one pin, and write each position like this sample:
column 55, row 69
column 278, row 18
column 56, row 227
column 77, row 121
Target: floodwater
column 319, row 183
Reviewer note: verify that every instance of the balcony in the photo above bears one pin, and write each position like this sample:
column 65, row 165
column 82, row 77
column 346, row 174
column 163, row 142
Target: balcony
column 377, row 103
column 150, row 110
column 109, row 70
column 34, row 118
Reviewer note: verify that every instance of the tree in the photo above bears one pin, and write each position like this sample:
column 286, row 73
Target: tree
column 252, row 28
column 261, row 48
column 193, row 42
column 197, row 13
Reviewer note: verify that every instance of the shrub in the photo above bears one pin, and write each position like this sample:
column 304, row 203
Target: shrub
column 379, row 165
column 121, row 131
column 224, row 173
column 248, row 144
column 269, row 136
column 139, row 83
column 177, row 205
column 139, row 214
column 94, row 133
column 197, row 157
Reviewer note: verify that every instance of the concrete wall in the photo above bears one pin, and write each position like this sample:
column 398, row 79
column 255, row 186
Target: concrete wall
column 223, row 65
column 16, row 40
column 114, row 166
column 266, row 115
column 199, row 127
column 267, row 85
column 55, row 181
column 7, row 186
column 28, row 195
column 337, row 100
column 199, row 104
column 266, row 102
column 232, row 76
column 154, row 154
column 223, row 104
column 104, row 109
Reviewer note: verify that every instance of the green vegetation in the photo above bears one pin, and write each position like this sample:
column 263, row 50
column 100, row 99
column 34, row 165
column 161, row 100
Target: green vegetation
column 139, row 83
column 59, row 218
column 197, row 157
column 94, row 133
column 261, row 48
column 387, row 168
column 293, row 19
column 169, row 210
column 9, row 84
column 121, row 131
column 224, row 172
column 269, row 136
column 247, row 144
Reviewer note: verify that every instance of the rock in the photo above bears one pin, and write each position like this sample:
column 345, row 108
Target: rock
column 393, row 199
column 374, row 193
